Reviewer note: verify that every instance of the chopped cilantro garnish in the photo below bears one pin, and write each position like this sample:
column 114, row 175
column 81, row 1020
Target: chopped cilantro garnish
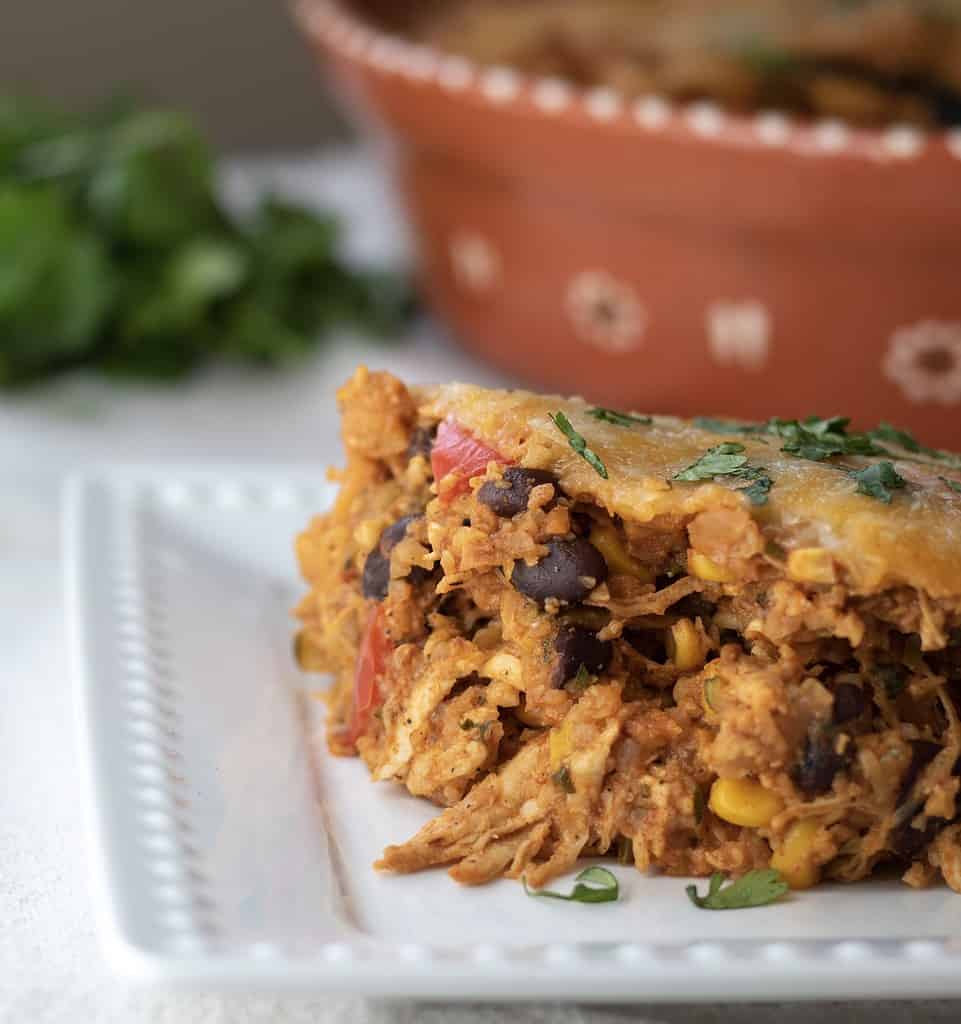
column 578, row 443
column 885, row 432
column 728, row 426
column 878, row 480
column 755, row 889
column 562, row 779
column 955, row 485
column 818, row 439
column 757, row 492
column 580, row 681
column 726, row 460
column 893, row 678
column 619, row 419
column 481, row 727
column 700, row 804
column 720, row 460
column 593, row 885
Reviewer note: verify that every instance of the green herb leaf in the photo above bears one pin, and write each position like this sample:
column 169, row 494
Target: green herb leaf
column 700, row 804
column 619, row 419
column 116, row 252
column 562, row 779
column 593, row 885
column 892, row 435
column 580, row 681
column 955, row 485
column 878, row 480
column 578, row 443
column 726, row 460
column 716, row 426
column 717, row 461
column 755, row 889
column 817, row 439
column 757, row 492
column 894, row 678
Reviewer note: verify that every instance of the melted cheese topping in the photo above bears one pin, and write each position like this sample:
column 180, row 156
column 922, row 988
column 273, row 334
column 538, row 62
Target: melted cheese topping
column 914, row 541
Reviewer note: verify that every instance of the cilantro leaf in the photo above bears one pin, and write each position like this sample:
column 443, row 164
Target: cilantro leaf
column 593, row 885
column 726, row 460
column 885, row 432
column 562, row 779
column 717, row 461
column 619, row 419
column 756, row 492
column 955, row 485
column 578, row 443
column 716, row 426
column 878, row 480
column 116, row 252
column 755, row 889
column 817, row 439
column 894, row 678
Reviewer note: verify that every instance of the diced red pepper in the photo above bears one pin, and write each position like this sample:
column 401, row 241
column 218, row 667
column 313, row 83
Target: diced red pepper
column 457, row 451
column 375, row 649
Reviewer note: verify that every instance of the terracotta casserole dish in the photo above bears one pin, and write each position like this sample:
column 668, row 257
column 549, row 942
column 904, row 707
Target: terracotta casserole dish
column 669, row 257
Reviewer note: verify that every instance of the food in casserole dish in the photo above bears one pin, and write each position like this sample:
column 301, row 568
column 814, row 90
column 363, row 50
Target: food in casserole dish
column 869, row 62
column 699, row 645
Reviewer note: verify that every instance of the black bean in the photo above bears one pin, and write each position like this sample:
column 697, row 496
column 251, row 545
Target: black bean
column 569, row 572
column 819, row 763
column 907, row 842
column 394, row 534
column 421, row 442
column 923, row 752
column 576, row 647
column 850, row 702
column 376, row 576
column 509, row 496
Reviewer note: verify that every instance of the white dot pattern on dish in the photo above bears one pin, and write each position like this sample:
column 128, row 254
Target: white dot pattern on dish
column 603, row 104
column 551, row 95
column 153, row 720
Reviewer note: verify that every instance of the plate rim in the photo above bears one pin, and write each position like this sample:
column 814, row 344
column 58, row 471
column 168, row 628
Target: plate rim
column 742, row 970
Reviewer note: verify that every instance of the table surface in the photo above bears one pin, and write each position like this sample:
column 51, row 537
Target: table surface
column 51, row 971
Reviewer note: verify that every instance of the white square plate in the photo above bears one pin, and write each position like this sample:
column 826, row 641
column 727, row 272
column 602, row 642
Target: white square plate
column 233, row 851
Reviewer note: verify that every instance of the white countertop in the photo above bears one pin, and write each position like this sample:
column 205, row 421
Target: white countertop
column 51, row 971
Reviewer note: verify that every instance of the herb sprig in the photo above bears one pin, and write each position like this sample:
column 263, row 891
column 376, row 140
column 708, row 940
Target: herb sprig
column 619, row 419
column 116, row 253
column 578, row 443
column 755, row 889
column 727, row 460
column 878, row 480
column 593, row 885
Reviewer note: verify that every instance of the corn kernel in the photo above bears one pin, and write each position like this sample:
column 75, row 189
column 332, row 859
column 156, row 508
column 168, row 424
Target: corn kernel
column 560, row 743
column 811, row 565
column 794, row 858
column 367, row 534
column 504, row 667
column 743, row 802
column 685, row 646
column 307, row 655
column 707, row 569
column 607, row 540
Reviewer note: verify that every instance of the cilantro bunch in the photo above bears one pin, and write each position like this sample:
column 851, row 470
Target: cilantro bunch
column 116, row 253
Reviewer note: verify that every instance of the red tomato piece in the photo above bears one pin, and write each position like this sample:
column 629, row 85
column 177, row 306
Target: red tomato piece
column 375, row 649
column 457, row 451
